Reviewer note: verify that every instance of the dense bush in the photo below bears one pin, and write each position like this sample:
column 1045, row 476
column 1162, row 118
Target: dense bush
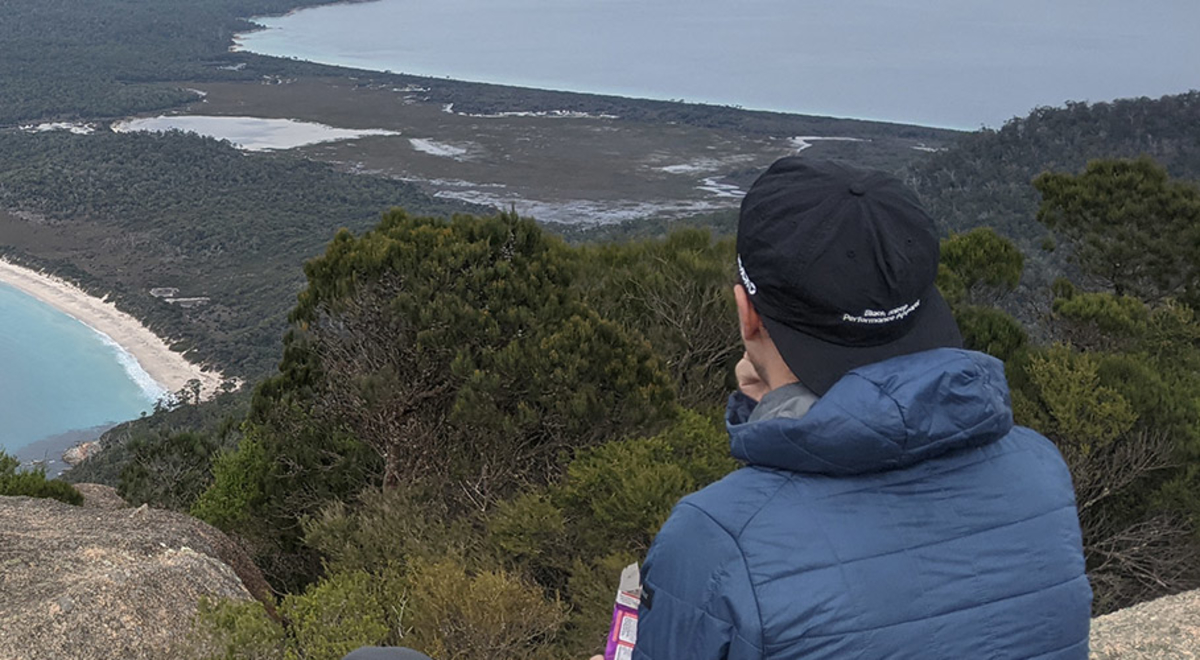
column 263, row 491
column 678, row 293
column 1128, row 438
column 533, row 577
column 450, row 355
column 218, row 420
column 575, row 536
column 490, row 615
column 325, row 622
column 1129, row 225
column 170, row 472
column 438, row 607
column 15, row 482
column 391, row 528
column 979, row 266
column 460, row 353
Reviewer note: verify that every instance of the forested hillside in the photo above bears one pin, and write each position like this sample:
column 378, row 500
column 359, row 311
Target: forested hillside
column 123, row 214
column 72, row 60
column 983, row 179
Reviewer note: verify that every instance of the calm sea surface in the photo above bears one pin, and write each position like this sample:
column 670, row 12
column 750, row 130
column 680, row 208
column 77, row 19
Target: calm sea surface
column 950, row 63
column 57, row 374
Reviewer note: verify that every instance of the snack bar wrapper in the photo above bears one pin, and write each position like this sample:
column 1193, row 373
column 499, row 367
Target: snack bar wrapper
column 623, row 633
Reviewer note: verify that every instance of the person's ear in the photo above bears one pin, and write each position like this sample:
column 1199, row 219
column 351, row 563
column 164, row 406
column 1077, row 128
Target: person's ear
column 749, row 322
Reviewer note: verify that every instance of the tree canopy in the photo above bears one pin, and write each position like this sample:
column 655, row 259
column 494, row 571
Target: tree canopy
column 1128, row 225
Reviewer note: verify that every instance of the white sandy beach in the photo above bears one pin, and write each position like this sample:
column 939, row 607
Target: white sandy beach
column 169, row 369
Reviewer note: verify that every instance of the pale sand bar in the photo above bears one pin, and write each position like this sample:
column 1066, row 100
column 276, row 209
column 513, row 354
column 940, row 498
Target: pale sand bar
column 169, row 369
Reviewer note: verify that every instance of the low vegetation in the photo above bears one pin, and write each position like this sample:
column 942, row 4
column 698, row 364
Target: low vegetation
column 16, row 482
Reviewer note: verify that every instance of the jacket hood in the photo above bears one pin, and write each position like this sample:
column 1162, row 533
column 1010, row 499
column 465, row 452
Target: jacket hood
column 883, row 416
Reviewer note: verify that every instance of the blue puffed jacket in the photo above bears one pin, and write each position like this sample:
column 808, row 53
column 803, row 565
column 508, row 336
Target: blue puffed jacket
column 904, row 516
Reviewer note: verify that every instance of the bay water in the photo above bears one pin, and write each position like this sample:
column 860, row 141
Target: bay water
column 58, row 374
column 950, row 63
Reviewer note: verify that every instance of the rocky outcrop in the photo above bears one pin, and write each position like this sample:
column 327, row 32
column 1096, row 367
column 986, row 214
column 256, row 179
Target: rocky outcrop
column 100, row 583
column 81, row 452
column 1163, row 629
column 99, row 496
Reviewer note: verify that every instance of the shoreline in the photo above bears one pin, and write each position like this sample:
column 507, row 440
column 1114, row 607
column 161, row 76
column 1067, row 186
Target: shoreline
column 237, row 45
column 169, row 369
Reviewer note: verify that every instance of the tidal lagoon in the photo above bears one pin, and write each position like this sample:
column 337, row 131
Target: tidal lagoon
column 249, row 133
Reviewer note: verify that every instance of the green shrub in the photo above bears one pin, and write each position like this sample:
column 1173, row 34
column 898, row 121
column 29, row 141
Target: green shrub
column 983, row 257
column 325, row 622
column 1073, row 407
column 619, row 494
column 278, row 477
column 341, row 613
column 386, row 528
column 1124, row 433
column 449, row 355
column 990, row 330
column 528, row 527
column 233, row 630
column 169, row 472
column 33, row 483
column 236, row 488
column 625, row 491
column 677, row 293
column 1113, row 315
column 977, row 267
column 488, row 615
column 575, row 537
column 437, row 607
column 614, row 498
column 459, row 352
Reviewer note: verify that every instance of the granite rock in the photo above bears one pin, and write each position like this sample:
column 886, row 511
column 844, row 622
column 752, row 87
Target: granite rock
column 99, row 496
column 102, row 583
column 1165, row 628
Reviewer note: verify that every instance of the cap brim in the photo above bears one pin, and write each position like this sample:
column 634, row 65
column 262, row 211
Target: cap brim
column 819, row 363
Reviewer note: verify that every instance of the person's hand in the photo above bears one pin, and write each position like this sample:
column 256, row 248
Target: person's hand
column 597, row 657
column 749, row 382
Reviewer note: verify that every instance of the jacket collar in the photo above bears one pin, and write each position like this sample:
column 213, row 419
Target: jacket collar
column 883, row 416
column 792, row 401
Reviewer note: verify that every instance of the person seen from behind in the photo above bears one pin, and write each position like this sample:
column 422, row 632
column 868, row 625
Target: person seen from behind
column 888, row 507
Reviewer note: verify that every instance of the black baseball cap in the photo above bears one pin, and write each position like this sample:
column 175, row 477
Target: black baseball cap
column 840, row 263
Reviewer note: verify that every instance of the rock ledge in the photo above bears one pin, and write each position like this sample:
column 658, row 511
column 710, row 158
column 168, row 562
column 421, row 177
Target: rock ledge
column 102, row 583
column 1166, row 628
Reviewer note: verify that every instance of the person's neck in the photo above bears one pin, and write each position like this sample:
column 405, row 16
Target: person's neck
column 778, row 375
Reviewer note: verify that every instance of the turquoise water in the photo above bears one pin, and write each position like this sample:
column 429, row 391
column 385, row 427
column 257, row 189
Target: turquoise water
column 934, row 62
column 58, row 375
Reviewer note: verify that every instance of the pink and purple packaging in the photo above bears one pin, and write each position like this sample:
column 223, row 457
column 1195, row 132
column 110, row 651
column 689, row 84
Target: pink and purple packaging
column 622, row 635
